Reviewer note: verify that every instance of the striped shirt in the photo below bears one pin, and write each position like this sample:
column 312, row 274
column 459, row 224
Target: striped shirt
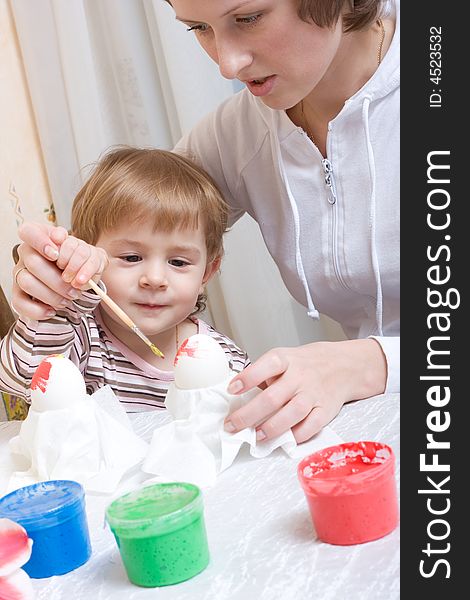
column 80, row 334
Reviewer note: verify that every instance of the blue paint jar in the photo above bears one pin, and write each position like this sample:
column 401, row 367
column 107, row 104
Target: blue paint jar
column 53, row 514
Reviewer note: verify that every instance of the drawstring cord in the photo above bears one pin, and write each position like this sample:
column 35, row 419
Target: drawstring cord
column 311, row 310
column 372, row 219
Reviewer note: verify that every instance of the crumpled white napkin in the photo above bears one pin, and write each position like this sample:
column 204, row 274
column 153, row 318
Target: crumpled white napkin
column 194, row 447
column 92, row 442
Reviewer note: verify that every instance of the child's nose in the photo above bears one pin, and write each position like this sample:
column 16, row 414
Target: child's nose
column 154, row 277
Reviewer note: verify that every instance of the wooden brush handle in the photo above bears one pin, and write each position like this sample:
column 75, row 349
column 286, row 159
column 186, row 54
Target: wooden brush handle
column 124, row 318
column 112, row 305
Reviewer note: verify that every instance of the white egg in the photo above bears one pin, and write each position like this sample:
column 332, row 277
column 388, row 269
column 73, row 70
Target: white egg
column 200, row 362
column 57, row 383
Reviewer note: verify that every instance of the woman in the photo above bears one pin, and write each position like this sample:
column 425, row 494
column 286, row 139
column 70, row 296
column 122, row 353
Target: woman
column 310, row 150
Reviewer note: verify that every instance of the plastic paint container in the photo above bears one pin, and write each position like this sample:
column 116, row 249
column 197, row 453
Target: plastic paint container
column 160, row 533
column 53, row 514
column 351, row 492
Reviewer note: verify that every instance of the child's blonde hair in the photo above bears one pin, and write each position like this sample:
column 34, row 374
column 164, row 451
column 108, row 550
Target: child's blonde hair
column 132, row 185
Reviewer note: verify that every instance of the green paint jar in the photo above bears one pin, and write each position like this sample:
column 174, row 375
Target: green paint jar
column 160, row 532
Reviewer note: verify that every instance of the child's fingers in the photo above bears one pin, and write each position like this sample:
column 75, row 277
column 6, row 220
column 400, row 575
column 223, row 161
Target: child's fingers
column 58, row 235
column 91, row 269
column 80, row 262
column 72, row 254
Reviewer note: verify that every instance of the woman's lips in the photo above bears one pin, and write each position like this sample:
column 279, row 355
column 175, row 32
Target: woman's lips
column 263, row 87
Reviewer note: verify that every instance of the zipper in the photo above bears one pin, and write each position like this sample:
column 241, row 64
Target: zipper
column 332, row 199
column 329, row 180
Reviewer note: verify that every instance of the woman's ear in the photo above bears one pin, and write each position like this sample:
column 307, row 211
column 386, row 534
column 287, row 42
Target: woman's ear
column 211, row 269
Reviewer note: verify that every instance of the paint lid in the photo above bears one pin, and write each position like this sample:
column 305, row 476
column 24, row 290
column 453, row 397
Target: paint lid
column 43, row 504
column 155, row 509
column 346, row 468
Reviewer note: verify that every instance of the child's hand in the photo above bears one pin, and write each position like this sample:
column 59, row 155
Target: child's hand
column 39, row 288
column 81, row 262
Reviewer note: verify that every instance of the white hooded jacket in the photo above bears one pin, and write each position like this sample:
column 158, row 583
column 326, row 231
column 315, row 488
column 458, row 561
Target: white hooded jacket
column 332, row 226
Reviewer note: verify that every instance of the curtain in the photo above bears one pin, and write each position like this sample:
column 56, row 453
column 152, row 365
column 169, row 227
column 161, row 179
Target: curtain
column 106, row 72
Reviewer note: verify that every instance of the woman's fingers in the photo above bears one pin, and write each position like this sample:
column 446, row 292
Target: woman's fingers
column 307, row 386
column 267, row 368
column 277, row 409
column 302, row 393
column 318, row 417
column 45, row 239
column 34, row 288
column 26, row 306
column 40, row 280
column 293, row 410
column 257, row 410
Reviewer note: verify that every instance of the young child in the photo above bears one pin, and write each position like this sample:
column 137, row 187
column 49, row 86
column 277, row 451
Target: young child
column 160, row 219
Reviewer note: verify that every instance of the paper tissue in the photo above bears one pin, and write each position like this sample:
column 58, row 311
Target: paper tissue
column 194, row 447
column 69, row 434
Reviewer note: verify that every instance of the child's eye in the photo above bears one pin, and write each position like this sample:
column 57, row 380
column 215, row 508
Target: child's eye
column 132, row 258
column 178, row 262
column 251, row 20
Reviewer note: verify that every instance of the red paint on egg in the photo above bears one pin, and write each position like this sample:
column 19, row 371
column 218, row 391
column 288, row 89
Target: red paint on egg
column 41, row 376
column 186, row 350
column 42, row 373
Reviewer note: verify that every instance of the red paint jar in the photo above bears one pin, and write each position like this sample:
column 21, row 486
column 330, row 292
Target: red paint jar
column 351, row 492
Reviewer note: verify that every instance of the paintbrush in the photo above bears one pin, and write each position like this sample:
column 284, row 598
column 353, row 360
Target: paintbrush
column 124, row 318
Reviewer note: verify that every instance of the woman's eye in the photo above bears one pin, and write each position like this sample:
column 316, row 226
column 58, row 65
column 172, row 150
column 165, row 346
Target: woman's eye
column 201, row 28
column 178, row 262
column 132, row 258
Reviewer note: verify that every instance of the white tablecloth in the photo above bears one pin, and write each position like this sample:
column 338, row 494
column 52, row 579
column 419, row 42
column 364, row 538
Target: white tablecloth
column 261, row 539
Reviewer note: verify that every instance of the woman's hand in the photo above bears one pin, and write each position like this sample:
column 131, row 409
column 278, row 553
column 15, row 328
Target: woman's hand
column 51, row 270
column 305, row 387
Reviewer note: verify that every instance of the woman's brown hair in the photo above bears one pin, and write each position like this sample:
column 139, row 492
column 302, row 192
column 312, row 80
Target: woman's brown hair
column 358, row 14
column 325, row 13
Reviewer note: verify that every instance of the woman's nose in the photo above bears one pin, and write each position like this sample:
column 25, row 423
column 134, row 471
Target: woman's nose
column 232, row 58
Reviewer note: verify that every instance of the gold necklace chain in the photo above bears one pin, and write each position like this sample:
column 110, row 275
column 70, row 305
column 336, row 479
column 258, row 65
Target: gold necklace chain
column 382, row 38
column 305, row 121
column 307, row 127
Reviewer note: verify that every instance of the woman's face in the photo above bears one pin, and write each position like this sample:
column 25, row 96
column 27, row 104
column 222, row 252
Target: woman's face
column 264, row 44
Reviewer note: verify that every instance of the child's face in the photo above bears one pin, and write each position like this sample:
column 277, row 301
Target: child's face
column 155, row 277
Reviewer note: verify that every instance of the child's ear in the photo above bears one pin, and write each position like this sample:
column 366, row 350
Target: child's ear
column 211, row 269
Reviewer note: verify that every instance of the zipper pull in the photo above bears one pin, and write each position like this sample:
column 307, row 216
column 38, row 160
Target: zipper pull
column 329, row 180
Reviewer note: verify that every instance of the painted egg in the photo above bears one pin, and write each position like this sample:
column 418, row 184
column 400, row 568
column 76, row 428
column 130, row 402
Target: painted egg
column 15, row 547
column 57, row 383
column 200, row 362
column 17, row 586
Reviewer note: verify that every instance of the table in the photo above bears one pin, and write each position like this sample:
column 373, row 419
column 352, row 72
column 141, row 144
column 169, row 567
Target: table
column 261, row 539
